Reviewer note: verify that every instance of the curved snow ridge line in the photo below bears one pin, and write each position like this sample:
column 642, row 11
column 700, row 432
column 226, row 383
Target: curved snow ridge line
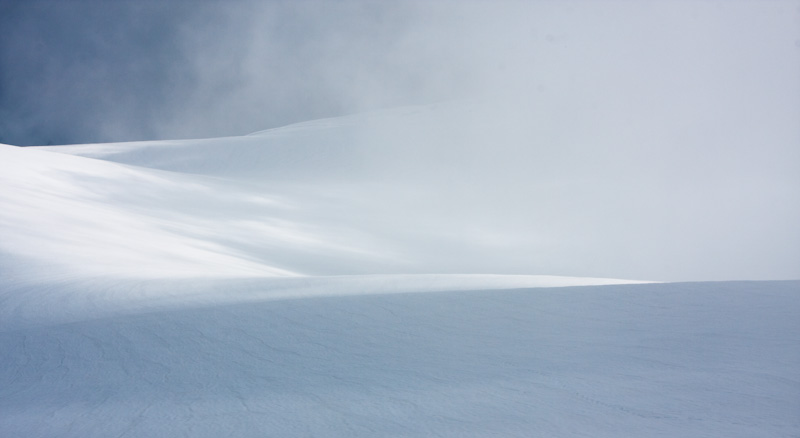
column 405, row 111
column 340, row 148
column 402, row 283
column 43, row 304
column 276, row 288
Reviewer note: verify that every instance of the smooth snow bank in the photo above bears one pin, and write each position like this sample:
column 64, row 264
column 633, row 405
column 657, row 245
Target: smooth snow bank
column 499, row 187
column 65, row 216
column 680, row 359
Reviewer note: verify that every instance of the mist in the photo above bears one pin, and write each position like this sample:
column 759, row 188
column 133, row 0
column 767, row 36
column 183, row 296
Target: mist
column 86, row 71
column 663, row 137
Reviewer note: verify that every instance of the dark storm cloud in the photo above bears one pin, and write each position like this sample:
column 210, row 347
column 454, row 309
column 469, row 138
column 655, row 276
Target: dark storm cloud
column 88, row 71
column 91, row 71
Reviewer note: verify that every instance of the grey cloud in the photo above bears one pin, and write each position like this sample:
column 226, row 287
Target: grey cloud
column 110, row 71
column 87, row 71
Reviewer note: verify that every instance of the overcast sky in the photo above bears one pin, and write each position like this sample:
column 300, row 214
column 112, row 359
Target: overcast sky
column 96, row 71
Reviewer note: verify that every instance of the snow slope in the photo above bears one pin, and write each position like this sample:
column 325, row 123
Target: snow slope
column 543, row 189
column 330, row 279
column 676, row 359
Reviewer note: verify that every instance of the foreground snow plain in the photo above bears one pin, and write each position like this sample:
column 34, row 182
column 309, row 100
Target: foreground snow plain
column 675, row 359
column 308, row 281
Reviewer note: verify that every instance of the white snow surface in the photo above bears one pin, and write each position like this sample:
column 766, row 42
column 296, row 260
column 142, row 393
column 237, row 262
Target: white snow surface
column 309, row 281
column 231, row 358
column 463, row 187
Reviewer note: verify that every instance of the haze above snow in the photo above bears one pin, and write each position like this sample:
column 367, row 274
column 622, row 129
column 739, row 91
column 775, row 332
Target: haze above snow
column 430, row 189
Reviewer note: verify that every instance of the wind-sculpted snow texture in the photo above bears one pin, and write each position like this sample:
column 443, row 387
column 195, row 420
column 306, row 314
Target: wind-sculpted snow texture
column 680, row 359
column 330, row 279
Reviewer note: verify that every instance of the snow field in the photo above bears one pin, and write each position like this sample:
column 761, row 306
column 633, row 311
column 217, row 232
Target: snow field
column 310, row 281
column 688, row 359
